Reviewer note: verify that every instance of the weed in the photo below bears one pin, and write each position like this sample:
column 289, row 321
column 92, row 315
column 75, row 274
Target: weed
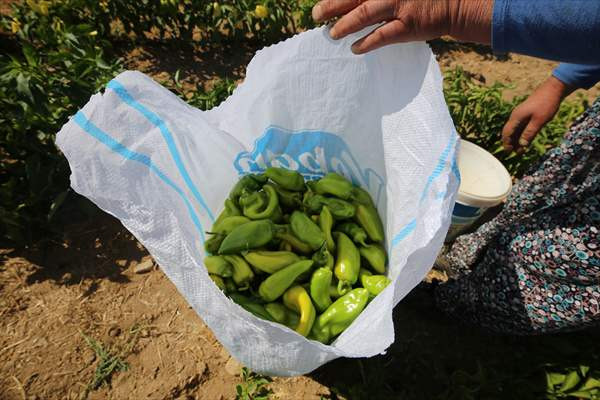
column 108, row 364
column 253, row 386
column 110, row 360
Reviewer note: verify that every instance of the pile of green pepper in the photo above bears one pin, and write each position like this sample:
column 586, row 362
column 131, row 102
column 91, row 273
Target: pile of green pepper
column 307, row 255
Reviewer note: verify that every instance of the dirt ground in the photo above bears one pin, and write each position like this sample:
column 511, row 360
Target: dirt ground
column 58, row 297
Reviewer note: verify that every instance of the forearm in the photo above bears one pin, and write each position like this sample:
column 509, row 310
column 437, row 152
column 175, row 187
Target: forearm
column 560, row 88
column 578, row 75
column 471, row 20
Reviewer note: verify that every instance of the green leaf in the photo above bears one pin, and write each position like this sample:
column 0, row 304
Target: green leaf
column 571, row 381
column 23, row 86
column 58, row 201
column 584, row 369
column 553, row 379
column 29, row 53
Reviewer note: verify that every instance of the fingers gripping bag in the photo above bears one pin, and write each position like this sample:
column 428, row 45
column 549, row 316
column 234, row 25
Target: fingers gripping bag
column 164, row 168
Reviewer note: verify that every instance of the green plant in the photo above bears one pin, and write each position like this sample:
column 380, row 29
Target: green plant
column 108, row 364
column 479, row 112
column 51, row 69
column 575, row 382
column 207, row 99
column 59, row 54
column 110, row 360
column 253, row 386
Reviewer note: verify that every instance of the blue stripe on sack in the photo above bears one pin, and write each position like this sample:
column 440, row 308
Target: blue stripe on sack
column 404, row 232
column 437, row 171
column 117, row 147
column 439, row 168
column 162, row 126
column 455, row 169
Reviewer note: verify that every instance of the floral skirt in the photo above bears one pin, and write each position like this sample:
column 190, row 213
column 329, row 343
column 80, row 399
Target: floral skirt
column 535, row 267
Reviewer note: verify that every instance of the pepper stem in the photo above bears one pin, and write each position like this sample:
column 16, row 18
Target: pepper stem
column 343, row 287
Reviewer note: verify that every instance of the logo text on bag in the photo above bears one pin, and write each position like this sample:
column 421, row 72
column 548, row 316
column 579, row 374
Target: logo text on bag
column 311, row 153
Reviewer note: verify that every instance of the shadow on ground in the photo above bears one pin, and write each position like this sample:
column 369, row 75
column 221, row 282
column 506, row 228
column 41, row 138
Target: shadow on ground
column 434, row 357
column 97, row 247
column 443, row 46
column 192, row 61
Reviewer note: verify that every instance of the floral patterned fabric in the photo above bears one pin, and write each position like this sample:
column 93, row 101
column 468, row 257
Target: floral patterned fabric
column 535, row 267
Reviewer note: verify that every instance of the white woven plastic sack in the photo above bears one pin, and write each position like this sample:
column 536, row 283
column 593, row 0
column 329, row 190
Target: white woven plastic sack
column 164, row 169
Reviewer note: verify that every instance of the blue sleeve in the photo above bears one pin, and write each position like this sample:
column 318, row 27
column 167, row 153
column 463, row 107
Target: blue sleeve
column 560, row 30
column 578, row 75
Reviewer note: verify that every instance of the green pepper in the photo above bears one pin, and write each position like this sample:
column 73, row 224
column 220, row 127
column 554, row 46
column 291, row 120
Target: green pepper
column 253, row 201
column 355, row 232
column 311, row 188
column 361, row 196
column 248, row 236
column 373, row 283
column 326, row 224
column 260, row 178
column 340, row 315
column 249, row 183
column 286, row 235
column 323, row 258
column 306, row 230
column 242, row 273
column 319, row 288
column 251, row 306
column 277, row 215
column 336, row 292
column 227, row 224
column 230, row 285
column 282, row 314
column 333, row 184
column 217, row 265
column 285, row 246
column 347, row 262
column 218, row 281
column 288, row 199
column 212, row 244
column 340, row 209
column 375, row 255
column 270, row 261
column 277, row 311
column 287, row 179
column 368, row 218
column 298, row 299
column 277, row 283
column 256, row 208
column 230, row 210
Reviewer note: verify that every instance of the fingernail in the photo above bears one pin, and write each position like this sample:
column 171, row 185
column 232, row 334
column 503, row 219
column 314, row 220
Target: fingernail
column 317, row 12
column 333, row 32
column 356, row 48
column 523, row 142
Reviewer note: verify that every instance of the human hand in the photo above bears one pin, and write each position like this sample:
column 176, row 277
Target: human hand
column 529, row 117
column 407, row 20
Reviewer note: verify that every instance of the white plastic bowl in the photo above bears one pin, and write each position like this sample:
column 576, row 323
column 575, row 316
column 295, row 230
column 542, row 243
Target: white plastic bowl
column 484, row 183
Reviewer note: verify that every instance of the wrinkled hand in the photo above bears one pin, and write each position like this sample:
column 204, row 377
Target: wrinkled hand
column 529, row 117
column 407, row 20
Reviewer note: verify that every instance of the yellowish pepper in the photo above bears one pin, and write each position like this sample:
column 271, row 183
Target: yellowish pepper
column 297, row 298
